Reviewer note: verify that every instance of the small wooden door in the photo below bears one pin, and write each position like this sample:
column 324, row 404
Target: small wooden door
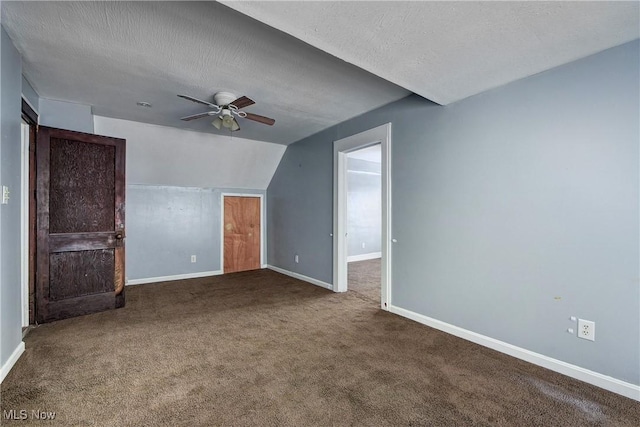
column 241, row 233
column 80, row 188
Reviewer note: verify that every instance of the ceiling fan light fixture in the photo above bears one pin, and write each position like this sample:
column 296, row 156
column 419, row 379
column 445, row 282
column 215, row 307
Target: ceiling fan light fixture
column 227, row 108
column 227, row 119
column 217, row 123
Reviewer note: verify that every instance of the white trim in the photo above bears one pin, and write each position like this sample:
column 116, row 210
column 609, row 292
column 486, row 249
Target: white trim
column 364, row 257
column 339, row 220
column 606, row 382
column 6, row 368
column 301, row 277
column 174, row 277
column 263, row 224
column 364, row 172
column 24, row 223
column 378, row 135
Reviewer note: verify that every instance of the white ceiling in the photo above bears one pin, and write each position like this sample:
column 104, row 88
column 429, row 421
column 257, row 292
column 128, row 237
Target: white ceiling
column 447, row 51
column 112, row 54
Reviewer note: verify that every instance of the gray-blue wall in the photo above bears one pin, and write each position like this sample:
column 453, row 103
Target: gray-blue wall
column 168, row 224
column 10, row 119
column 65, row 115
column 364, row 207
column 300, row 208
column 513, row 210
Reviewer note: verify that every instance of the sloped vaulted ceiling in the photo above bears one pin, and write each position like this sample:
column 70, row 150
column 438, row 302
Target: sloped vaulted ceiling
column 309, row 65
column 450, row 50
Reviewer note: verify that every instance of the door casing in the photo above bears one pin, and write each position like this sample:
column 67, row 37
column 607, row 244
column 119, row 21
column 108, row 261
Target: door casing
column 28, row 214
column 378, row 135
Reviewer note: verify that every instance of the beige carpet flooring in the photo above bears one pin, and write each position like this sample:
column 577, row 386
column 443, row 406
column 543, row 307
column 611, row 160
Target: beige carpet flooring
column 363, row 278
column 262, row 349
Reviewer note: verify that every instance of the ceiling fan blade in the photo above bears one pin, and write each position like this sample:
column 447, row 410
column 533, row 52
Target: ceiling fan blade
column 242, row 102
column 197, row 116
column 260, row 119
column 199, row 101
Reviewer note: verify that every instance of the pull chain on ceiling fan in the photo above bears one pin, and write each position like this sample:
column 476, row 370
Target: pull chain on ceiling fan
column 226, row 108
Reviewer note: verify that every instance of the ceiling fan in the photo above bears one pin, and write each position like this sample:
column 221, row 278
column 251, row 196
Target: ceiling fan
column 226, row 108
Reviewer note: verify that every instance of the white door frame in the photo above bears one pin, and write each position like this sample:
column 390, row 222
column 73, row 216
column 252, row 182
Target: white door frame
column 263, row 226
column 24, row 222
column 378, row 135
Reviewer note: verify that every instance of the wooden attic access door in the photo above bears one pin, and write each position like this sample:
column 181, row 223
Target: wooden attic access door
column 80, row 190
column 242, row 233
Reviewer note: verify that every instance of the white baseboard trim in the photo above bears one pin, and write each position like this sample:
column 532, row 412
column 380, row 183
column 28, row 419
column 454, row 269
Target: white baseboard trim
column 11, row 361
column 606, row 382
column 301, row 277
column 364, row 257
column 174, row 277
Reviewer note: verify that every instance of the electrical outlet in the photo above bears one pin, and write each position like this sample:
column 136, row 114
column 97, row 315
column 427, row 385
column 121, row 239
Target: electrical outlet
column 362, row 245
column 586, row 329
column 193, row 258
column 296, row 259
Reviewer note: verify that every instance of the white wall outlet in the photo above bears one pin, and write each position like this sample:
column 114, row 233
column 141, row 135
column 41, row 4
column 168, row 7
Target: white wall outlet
column 193, row 258
column 362, row 245
column 296, row 259
column 586, row 329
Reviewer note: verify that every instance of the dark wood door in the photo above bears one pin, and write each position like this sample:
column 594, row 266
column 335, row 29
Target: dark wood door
column 241, row 233
column 80, row 189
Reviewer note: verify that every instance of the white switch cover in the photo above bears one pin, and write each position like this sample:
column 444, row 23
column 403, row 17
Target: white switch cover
column 5, row 195
column 193, row 258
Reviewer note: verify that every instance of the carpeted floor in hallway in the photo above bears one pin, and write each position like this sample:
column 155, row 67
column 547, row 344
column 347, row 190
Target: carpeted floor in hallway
column 363, row 277
column 262, row 349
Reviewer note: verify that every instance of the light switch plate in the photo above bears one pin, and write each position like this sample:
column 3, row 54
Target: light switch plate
column 5, row 195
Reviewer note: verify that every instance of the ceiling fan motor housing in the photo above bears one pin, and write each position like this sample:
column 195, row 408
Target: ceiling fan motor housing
column 224, row 98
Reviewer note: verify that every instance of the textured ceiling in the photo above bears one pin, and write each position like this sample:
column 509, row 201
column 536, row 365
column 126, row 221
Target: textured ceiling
column 112, row 54
column 447, row 51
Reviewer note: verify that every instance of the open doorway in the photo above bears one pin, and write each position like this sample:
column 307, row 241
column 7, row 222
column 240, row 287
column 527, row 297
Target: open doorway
column 364, row 221
column 343, row 149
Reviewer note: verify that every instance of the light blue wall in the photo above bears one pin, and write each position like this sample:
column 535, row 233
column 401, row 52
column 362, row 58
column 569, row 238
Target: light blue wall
column 167, row 224
column 364, row 207
column 10, row 119
column 513, row 210
column 66, row 115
